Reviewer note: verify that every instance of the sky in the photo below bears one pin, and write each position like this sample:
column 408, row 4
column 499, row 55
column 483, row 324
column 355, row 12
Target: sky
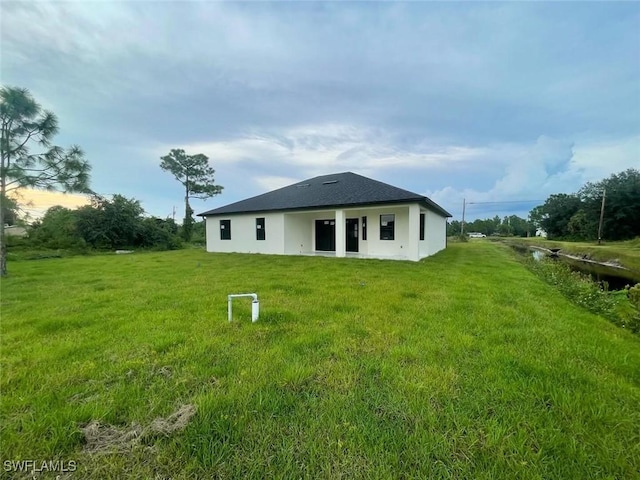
column 32, row 204
column 488, row 102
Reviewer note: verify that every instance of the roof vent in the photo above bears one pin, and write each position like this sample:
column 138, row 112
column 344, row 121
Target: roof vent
column 329, row 182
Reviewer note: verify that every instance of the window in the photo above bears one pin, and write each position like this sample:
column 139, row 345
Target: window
column 422, row 226
column 364, row 228
column 225, row 229
column 260, row 233
column 387, row 227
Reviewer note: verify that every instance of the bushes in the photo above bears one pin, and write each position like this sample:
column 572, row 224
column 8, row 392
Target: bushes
column 58, row 229
column 593, row 296
column 158, row 234
column 634, row 296
column 104, row 225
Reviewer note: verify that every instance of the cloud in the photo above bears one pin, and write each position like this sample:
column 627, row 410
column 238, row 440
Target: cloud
column 602, row 158
column 415, row 67
column 521, row 172
column 549, row 166
column 34, row 203
column 486, row 100
column 323, row 148
column 273, row 183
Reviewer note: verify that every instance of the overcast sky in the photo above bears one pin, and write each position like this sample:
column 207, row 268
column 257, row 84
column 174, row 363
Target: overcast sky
column 483, row 101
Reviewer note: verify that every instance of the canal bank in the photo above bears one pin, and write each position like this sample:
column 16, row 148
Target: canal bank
column 604, row 288
column 616, row 276
column 618, row 263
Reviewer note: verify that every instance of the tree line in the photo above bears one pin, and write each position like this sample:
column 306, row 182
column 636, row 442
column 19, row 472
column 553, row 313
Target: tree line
column 106, row 224
column 576, row 216
column 507, row 226
column 113, row 223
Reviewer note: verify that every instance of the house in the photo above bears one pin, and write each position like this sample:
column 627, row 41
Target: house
column 342, row 214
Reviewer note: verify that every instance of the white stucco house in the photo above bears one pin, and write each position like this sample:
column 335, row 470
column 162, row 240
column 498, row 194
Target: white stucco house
column 342, row 214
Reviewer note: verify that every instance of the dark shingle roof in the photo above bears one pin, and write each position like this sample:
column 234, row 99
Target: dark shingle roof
column 340, row 189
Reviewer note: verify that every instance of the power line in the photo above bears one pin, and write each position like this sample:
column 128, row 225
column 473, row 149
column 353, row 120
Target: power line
column 465, row 203
column 505, row 201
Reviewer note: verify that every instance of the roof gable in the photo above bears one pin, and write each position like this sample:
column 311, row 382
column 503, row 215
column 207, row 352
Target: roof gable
column 339, row 189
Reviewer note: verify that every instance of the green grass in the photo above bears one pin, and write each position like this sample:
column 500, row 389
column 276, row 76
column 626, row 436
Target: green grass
column 464, row 365
column 626, row 253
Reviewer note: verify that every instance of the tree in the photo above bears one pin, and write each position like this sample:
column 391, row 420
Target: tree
column 24, row 123
column 195, row 174
column 9, row 210
column 622, row 205
column 519, row 227
column 453, row 228
column 579, row 226
column 112, row 224
column 577, row 216
column 57, row 229
column 158, row 234
column 105, row 224
column 554, row 215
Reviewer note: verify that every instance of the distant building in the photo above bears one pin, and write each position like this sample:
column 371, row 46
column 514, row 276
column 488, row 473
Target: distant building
column 15, row 231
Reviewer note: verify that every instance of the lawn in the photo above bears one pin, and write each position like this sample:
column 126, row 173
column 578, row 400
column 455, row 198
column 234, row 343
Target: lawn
column 464, row 365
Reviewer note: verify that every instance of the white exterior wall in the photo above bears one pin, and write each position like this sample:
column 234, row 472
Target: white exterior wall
column 293, row 233
column 435, row 237
column 243, row 234
column 399, row 247
column 299, row 236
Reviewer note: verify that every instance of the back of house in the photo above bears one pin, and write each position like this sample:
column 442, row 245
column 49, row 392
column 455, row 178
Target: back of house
column 341, row 214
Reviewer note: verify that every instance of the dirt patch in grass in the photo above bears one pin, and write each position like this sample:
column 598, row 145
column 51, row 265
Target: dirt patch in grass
column 177, row 421
column 101, row 438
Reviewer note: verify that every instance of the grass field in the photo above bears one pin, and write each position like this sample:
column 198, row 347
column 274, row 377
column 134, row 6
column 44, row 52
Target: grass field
column 464, row 365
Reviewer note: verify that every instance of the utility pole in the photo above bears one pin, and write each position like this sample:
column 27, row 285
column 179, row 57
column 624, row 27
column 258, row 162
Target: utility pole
column 174, row 213
column 464, row 204
column 604, row 191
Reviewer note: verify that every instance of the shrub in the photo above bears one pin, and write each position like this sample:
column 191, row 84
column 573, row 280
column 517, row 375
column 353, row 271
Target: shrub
column 634, row 295
column 593, row 296
column 158, row 234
